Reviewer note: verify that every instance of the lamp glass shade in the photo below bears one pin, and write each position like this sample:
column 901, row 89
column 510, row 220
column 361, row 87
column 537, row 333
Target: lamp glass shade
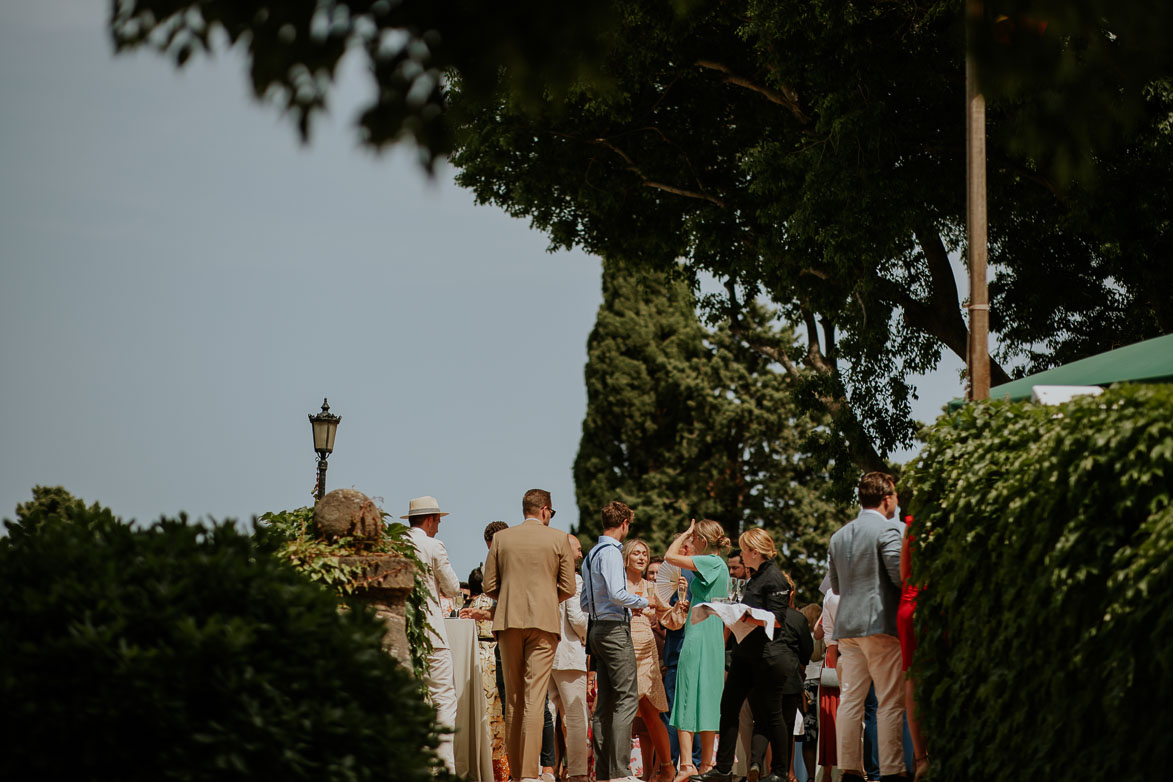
column 325, row 424
column 324, row 435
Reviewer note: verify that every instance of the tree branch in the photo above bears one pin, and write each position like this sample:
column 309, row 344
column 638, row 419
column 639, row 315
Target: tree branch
column 682, row 192
column 786, row 97
column 859, row 445
column 647, row 182
column 829, row 338
column 941, row 316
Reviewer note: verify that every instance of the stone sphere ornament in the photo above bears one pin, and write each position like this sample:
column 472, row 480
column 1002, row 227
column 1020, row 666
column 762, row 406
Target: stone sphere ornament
column 348, row 513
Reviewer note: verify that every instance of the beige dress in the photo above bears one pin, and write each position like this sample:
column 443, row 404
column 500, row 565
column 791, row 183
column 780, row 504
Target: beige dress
column 647, row 661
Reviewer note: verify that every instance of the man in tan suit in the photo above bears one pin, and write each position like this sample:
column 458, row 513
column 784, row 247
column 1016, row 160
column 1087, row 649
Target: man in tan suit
column 530, row 570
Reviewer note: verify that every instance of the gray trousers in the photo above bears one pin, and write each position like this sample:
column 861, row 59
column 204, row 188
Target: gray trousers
column 618, row 698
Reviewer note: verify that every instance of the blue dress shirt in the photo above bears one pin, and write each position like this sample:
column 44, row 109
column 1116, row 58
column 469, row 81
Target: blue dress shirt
column 604, row 583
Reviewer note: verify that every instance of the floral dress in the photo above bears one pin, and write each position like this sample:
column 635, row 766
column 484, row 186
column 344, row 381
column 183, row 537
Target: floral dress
column 487, row 650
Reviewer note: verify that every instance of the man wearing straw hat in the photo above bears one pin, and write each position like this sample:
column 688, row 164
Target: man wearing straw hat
column 424, row 514
column 529, row 570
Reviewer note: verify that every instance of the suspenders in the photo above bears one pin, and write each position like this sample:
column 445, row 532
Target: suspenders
column 594, row 613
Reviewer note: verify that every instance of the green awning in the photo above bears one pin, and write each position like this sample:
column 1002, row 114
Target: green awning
column 1150, row 361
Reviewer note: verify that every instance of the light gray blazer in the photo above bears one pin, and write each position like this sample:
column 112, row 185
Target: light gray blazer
column 865, row 573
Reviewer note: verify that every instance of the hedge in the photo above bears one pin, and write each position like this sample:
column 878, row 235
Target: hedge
column 189, row 652
column 1045, row 626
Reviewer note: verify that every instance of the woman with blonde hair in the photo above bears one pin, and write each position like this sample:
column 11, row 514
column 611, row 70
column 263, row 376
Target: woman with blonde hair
column 700, row 671
column 767, row 671
column 652, row 699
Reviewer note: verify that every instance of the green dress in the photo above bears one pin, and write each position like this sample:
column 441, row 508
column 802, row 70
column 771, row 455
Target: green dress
column 700, row 673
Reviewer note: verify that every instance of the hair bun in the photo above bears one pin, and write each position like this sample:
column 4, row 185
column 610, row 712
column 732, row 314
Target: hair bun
column 725, row 542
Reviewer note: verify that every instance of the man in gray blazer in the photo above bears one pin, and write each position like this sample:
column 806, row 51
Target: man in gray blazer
column 865, row 573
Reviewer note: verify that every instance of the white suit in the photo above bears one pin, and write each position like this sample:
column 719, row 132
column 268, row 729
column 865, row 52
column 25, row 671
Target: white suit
column 441, row 580
column 568, row 683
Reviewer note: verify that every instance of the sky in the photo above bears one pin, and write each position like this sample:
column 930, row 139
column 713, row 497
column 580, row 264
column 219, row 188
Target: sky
column 182, row 282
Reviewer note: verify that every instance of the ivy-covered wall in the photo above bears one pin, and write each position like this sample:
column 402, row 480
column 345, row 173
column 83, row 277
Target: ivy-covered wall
column 1045, row 626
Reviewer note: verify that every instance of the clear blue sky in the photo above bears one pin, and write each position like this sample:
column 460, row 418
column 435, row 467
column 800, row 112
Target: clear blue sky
column 181, row 282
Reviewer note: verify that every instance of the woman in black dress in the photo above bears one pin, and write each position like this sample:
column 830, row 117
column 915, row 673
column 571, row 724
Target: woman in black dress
column 767, row 671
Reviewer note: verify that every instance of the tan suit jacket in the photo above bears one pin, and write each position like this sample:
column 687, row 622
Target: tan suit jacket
column 529, row 570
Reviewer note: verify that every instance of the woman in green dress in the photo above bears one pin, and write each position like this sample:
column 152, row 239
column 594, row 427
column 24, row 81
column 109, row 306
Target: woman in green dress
column 700, row 673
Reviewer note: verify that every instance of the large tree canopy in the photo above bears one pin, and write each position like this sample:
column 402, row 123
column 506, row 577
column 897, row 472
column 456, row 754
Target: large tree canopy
column 808, row 149
column 812, row 150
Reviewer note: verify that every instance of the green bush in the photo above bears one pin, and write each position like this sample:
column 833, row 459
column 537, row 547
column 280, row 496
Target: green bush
column 1044, row 545
column 189, row 652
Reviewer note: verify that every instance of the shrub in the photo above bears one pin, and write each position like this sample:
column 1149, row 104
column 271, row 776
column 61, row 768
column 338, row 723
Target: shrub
column 1044, row 544
column 189, row 652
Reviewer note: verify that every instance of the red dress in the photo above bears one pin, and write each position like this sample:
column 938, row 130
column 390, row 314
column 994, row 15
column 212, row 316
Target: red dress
column 904, row 625
column 905, row 612
column 828, row 708
column 828, row 705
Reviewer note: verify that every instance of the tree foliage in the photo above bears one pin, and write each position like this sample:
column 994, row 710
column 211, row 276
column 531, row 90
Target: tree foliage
column 184, row 651
column 813, row 151
column 1044, row 537
column 1077, row 72
column 687, row 422
column 410, row 49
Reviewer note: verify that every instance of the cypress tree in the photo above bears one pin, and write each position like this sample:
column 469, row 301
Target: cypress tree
column 686, row 422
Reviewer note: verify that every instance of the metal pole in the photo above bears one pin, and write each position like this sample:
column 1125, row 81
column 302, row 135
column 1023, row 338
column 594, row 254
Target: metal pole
column 321, row 478
column 978, row 353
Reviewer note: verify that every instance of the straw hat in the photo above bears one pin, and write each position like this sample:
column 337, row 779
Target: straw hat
column 423, row 506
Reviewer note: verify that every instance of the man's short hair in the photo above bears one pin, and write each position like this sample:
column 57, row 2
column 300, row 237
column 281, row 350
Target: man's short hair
column 492, row 528
column 734, row 553
column 654, row 560
column 533, row 501
column 615, row 513
column 874, row 487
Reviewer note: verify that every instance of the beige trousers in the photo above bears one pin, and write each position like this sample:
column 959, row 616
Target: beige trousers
column 527, row 655
column 568, row 694
column 442, row 689
column 873, row 659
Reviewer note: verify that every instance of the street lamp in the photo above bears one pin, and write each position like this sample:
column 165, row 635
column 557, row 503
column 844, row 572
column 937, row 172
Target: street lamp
column 325, row 425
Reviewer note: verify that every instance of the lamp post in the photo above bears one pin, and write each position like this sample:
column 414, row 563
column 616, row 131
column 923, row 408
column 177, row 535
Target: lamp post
column 325, row 425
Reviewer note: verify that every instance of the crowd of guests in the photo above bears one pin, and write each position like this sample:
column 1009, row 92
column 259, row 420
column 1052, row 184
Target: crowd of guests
column 605, row 655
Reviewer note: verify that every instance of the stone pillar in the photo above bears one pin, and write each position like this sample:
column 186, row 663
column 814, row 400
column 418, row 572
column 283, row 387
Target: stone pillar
column 385, row 579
